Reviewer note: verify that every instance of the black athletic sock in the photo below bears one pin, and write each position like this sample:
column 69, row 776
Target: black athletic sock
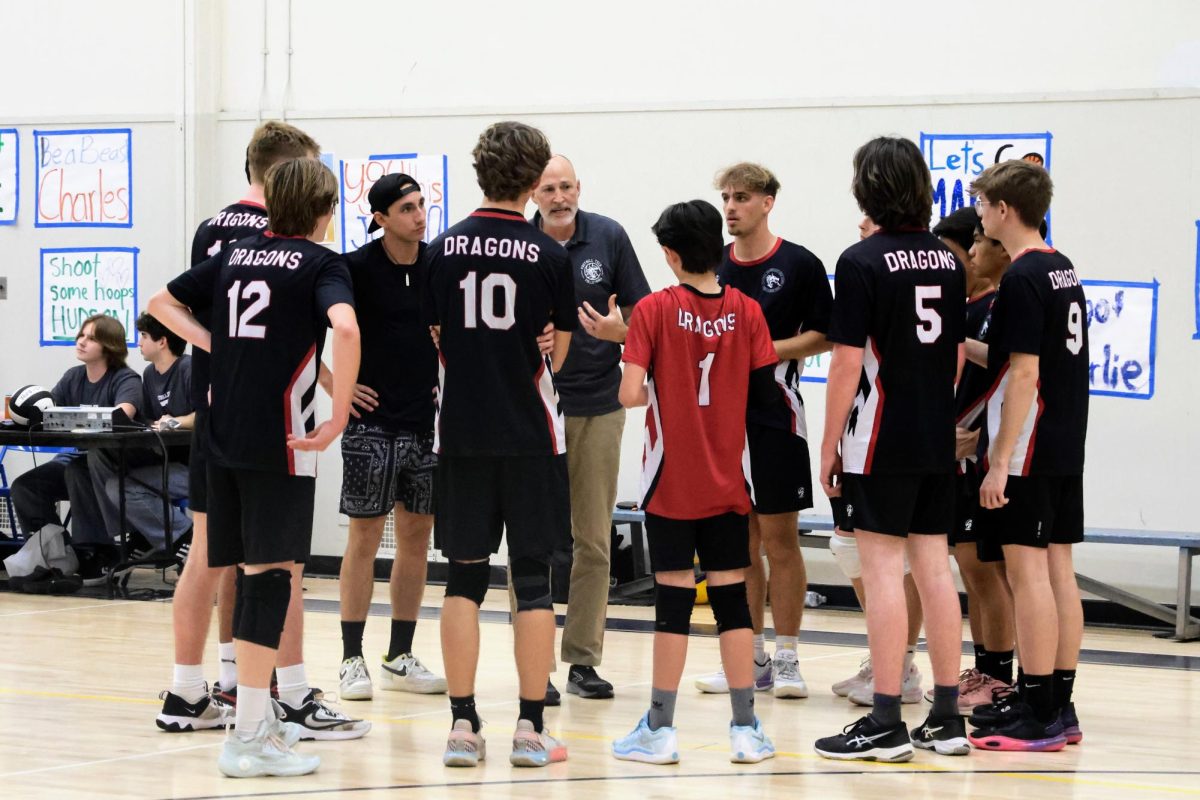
column 1039, row 694
column 945, row 701
column 1064, row 683
column 886, row 711
column 532, row 711
column 981, row 659
column 352, row 636
column 402, row 636
column 464, row 708
column 1020, row 680
column 1000, row 665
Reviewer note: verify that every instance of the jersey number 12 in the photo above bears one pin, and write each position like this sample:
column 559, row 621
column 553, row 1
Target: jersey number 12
column 242, row 326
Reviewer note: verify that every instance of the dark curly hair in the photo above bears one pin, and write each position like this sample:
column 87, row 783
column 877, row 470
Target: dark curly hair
column 509, row 159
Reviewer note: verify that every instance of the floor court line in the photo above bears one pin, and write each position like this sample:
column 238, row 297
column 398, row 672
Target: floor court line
column 133, row 757
column 104, row 604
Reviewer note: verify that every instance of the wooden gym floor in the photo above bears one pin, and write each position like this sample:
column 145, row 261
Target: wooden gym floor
column 79, row 679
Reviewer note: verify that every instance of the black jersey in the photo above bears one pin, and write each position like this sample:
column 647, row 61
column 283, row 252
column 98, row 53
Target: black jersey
column 975, row 380
column 399, row 360
column 269, row 297
column 494, row 281
column 791, row 286
column 1041, row 310
column 901, row 296
column 238, row 221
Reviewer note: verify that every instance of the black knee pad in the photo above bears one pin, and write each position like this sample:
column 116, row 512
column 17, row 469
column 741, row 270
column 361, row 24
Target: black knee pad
column 531, row 583
column 238, row 591
column 264, row 598
column 673, row 609
column 468, row 580
column 729, row 606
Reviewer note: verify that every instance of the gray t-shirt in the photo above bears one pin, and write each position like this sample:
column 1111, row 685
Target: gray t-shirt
column 116, row 386
column 603, row 263
column 168, row 392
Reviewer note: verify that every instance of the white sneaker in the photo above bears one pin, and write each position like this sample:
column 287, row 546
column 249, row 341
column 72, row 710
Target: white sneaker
column 649, row 747
column 261, row 755
column 464, row 747
column 748, row 744
column 533, row 749
column 910, row 689
column 405, row 673
column 788, row 680
column 289, row 732
column 861, row 678
column 318, row 721
column 716, row 683
column 354, row 680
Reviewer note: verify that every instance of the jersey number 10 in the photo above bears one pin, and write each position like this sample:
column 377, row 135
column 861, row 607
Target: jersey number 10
column 474, row 310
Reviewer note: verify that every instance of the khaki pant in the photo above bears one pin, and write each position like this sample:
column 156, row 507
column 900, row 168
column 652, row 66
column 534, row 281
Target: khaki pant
column 593, row 459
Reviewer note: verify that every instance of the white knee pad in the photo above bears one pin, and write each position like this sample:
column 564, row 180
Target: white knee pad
column 845, row 553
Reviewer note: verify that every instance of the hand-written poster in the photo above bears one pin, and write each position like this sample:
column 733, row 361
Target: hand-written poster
column 956, row 159
column 331, row 240
column 1122, row 320
column 816, row 368
column 84, row 178
column 358, row 175
column 79, row 282
column 10, row 175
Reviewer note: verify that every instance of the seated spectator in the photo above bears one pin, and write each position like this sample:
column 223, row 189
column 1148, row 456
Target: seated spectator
column 102, row 379
column 166, row 404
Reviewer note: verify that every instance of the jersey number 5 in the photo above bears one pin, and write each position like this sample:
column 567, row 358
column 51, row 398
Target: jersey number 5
column 242, row 326
column 473, row 309
column 930, row 326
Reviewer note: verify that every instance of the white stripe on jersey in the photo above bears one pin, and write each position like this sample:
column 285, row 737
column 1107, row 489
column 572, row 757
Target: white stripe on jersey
column 1022, row 456
column 302, row 462
column 859, row 437
column 746, row 471
column 437, row 404
column 791, row 396
column 652, row 450
column 554, row 418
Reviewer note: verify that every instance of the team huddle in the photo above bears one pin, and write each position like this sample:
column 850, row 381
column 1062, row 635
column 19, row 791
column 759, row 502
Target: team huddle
column 478, row 372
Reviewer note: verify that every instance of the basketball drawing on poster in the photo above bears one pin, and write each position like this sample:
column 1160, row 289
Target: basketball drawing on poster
column 10, row 175
column 956, row 159
column 84, row 178
column 1122, row 320
column 79, row 282
column 357, row 176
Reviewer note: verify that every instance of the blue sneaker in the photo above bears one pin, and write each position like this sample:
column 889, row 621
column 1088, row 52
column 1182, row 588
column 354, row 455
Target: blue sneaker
column 649, row 747
column 748, row 744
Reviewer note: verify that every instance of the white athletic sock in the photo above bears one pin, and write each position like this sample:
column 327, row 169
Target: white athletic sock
column 251, row 710
column 227, row 663
column 293, row 685
column 786, row 643
column 760, row 648
column 188, row 682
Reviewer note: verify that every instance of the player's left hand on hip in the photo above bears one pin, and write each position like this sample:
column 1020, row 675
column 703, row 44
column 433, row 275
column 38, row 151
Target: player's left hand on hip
column 317, row 439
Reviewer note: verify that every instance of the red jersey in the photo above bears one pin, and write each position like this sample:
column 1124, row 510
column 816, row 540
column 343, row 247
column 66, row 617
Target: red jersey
column 698, row 351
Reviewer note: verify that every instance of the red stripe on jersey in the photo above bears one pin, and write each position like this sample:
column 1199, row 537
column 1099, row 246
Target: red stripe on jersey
column 774, row 249
column 287, row 404
column 537, row 385
column 1041, row 406
column 511, row 216
column 246, row 201
column 1031, row 250
column 272, row 235
column 978, row 297
column 878, row 408
column 987, row 399
column 438, row 403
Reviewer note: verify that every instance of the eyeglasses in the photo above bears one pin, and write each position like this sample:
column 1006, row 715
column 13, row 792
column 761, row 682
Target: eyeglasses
column 979, row 204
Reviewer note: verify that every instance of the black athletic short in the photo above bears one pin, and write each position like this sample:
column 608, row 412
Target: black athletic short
column 258, row 517
column 526, row 499
column 722, row 542
column 966, row 505
column 898, row 505
column 780, row 474
column 1041, row 510
column 381, row 468
column 198, row 464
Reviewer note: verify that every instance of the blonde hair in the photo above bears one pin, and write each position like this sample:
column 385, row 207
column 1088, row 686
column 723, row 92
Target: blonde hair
column 276, row 141
column 748, row 176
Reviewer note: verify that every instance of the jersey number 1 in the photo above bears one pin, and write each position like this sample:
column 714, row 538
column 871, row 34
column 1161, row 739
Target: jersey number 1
column 242, row 326
column 702, row 397
column 473, row 309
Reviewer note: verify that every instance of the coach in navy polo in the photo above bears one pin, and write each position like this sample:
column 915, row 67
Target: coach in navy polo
column 608, row 282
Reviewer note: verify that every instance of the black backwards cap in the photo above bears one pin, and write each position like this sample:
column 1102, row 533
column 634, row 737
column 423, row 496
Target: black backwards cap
column 388, row 190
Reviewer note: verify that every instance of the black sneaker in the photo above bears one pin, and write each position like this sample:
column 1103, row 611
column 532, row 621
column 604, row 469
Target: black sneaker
column 319, row 721
column 226, row 697
column 864, row 740
column 1022, row 734
column 1001, row 711
column 946, row 736
column 178, row 715
column 553, row 697
column 584, row 682
column 1070, row 723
